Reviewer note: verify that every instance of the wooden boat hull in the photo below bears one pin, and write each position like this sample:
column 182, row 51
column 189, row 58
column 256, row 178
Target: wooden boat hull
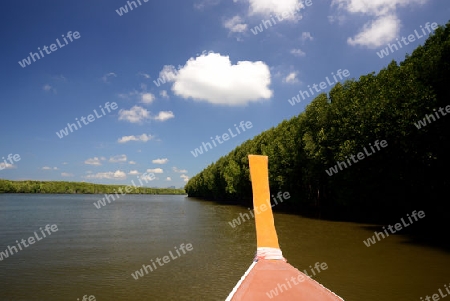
column 270, row 276
column 278, row 280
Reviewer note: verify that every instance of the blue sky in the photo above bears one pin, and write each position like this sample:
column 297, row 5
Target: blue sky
column 218, row 72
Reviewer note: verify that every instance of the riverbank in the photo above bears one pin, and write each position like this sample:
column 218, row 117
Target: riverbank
column 61, row 187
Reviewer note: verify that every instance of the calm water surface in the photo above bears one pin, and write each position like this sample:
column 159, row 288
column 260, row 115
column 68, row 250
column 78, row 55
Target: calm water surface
column 95, row 251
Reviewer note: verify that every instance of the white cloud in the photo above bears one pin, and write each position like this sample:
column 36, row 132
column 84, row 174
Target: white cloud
column 169, row 73
column 179, row 170
column 144, row 75
column 155, row 170
column 163, row 116
column 291, row 78
column 117, row 175
column 213, row 78
column 339, row 19
column 46, row 168
column 201, row 5
column 143, row 138
column 235, row 24
column 185, row 178
column 135, row 115
column 128, row 95
column 298, row 52
column 7, row 166
column 160, row 161
column 65, row 163
column 374, row 7
column 118, row 159
column 132, row 162
column 164, row 94
column 377, row 33
column 107, row 76
column 93, row 161
column 65, row 174
column 147, row 98
column 306, row 36
column 60, row 78
column 49, row 88
column 385, row 25
column 289, row 8
column 168, row 179
column 133, row 172
column 148, row 177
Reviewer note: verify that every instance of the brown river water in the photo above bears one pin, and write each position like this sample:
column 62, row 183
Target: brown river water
column 94, row 252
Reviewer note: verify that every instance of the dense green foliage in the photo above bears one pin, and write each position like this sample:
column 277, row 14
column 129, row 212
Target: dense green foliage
column 411, row 173
column 75, row 187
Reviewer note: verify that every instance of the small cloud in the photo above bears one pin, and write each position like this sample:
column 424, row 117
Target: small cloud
column 144, row 75
column 49, row 168
column 339, row 19
column 306, row 36
column 164, row 94
column 49, row 88
column 65, row 163
column 377, row 33
column 202, row 4
column 133, row 172
column 179, row 170
column 288, row 8
column 132, row 162
column 60, row 78
column 7, row 166
column 135, row 115
column 128, row 95
column 168, row 179
column 148, row 177
column 169, row 73
column 185, row 178
column 384, row 22
column 291, row 78
column 118, row 159
column 106, row 77
column 117, row 175
column 93, row 161
column 235, row 24
column 160, row 161
column 298, row 52
column 65, row 174
column 164, row 115
column 142, row 138
column 147, row 98
column 155, row 170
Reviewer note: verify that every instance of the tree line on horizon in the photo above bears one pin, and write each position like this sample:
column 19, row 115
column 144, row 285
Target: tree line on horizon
column 61, row 187
column 411, row 173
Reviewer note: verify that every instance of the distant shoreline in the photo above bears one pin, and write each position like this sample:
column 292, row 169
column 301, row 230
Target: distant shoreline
column 62, row 187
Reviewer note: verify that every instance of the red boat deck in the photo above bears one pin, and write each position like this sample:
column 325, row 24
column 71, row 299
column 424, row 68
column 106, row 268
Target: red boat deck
column 278, row 280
